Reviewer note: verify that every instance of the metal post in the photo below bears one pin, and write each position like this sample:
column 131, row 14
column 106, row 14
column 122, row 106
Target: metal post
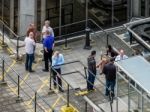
column 117, row 88
column 85, row 106
column 68, row 95
column 85, row 72
column 2, row 10
column 3, row 43
column 17, row 48
column 107, row 41
column 60, row 15
column 112, row 13
column 3, row 70
column 18, row 86
column 86, row 13
column 142, row 102
column 87, row 39
column 50, row 80
column 35, row 102
column 128, row 94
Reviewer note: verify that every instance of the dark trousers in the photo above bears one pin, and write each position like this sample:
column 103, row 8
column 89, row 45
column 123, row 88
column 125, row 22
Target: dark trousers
column 48, row 58
column 34, row 54
column 90, row 80
column 56, row 78
column 29, row 61
column 110, row 87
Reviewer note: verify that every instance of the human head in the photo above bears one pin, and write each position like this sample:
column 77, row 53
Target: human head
column 109, row 47
column 47, row 23
column 31, row 34
column 56, row 53
column 121, row 52
column 93, row 53
column 112, row 60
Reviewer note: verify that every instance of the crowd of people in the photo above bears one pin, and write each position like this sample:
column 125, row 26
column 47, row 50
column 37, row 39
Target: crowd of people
column 106, row 66
column 54, row 59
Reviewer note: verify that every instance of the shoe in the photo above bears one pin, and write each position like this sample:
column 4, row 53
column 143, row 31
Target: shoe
column 61, row 90
column 31, row 71
column 44, row 70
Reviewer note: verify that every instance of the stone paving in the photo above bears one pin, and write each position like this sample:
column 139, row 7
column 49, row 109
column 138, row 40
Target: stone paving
column 39, row 81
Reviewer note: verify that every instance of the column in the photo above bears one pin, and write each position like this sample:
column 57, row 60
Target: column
column 43, row 12
column 136, row 8
column 147, row 8
column 12, row 14
column 27, row 15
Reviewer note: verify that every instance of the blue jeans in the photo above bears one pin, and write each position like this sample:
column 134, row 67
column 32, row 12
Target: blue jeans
column 90, row 81
column 110, row 86
column 29, row 61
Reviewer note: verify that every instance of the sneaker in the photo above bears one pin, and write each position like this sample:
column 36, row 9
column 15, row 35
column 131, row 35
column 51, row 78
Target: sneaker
column 61, row 90
column 31, row 71
column 44, row 70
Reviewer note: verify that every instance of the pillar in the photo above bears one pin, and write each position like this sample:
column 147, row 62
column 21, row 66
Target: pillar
column 43, row 12
column 136, row 8
column 147, row 8
column 27, row 15
column 12, row 14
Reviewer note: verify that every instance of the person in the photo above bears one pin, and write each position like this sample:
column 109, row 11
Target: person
column 121, row 56
column 100, row 65
column 57, row 60
column 110, row 75
column 110, row 52
column 29, row 48
column 48, row 44
column 44, row 29
column 32, row 28
column 91, row 70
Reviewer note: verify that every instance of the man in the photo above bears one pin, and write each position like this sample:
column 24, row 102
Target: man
column 29, row 48
column 57, row 60
column 46, row 27
column 121, row 56
column 110, row 74
column 32, row 28
column 91, row 71
column 48, row 44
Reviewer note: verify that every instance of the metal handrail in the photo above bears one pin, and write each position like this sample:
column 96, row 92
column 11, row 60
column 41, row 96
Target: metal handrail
column 18, row 75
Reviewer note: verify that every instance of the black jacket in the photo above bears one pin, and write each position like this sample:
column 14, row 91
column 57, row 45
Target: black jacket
column 110, row 71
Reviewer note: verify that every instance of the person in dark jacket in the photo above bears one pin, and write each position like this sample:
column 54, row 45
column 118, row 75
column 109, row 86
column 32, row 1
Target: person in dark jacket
column 91, row 70
column 110, row 74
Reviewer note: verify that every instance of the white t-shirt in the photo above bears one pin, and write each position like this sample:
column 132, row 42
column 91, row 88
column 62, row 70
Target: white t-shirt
column 118, row 58
column 45, row 29
column 29, row 45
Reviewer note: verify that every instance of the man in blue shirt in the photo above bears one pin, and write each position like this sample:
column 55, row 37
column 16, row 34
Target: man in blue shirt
column 48, row 44
column 57, row 60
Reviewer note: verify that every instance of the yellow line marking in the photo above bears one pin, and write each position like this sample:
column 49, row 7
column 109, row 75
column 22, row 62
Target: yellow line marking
column 13, row 63
column 13, row 90
column 56, row 102
column 59, row 96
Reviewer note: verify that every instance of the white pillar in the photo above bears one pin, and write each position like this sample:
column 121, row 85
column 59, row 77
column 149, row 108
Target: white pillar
column 12, row 14
column 43, row 12
column 27, row 15
column 136, row 8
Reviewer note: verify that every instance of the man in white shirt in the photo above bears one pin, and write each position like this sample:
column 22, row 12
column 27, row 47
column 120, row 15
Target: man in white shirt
column 121, row 56
column 45, row 28
column 29, row 48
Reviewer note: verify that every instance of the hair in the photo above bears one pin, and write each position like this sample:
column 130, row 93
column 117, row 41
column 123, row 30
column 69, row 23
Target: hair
column 93, row 52
column 109, row 47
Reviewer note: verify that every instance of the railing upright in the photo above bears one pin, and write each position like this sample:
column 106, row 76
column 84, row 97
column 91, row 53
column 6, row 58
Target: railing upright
column 35, row 102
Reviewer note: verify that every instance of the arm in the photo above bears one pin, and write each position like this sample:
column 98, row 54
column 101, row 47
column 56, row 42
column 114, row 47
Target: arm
column 61, row 60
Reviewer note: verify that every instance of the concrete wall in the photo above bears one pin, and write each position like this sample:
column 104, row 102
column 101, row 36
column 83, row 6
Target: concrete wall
column 27, row 15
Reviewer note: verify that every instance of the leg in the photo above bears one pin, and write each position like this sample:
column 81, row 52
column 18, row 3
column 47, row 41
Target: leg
column 54, row 77
column 27, row 61
column 107, row 87
column 30, row 62
column 46, row 60
column 59, row 79
column 112, row 86
column 50, row 55
column 88, row 81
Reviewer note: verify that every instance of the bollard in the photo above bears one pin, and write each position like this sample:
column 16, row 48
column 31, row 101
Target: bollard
column 85, row 106
column 87, row 39
column 68, row 95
